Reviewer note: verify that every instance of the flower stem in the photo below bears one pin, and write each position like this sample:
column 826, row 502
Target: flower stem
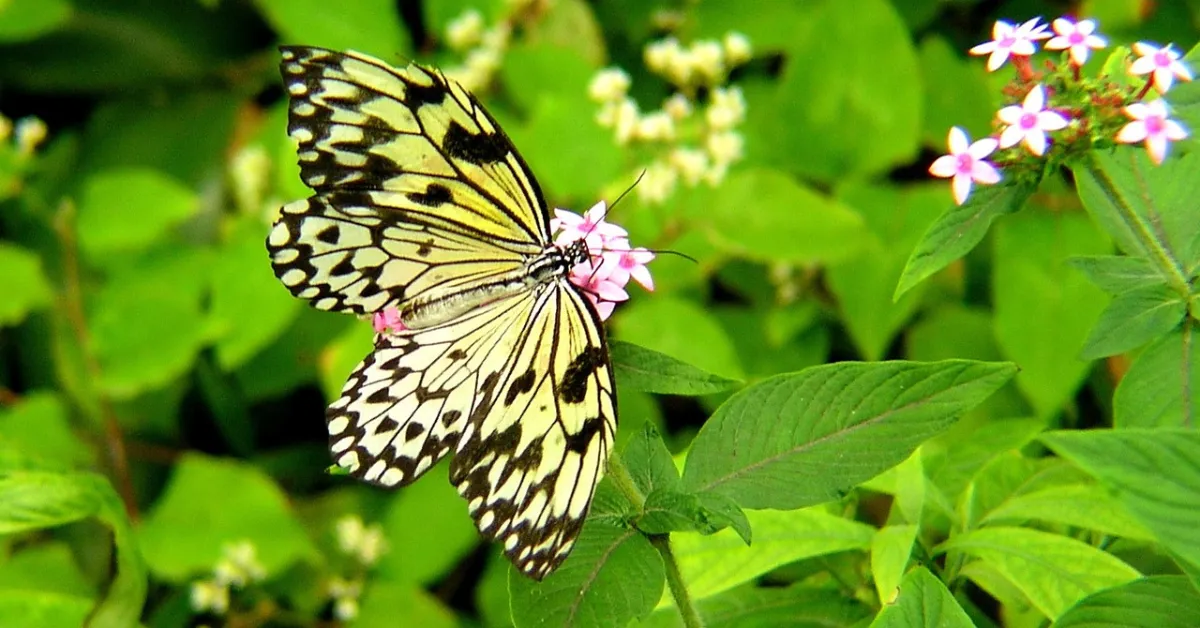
column 624, row 482
column 691, row 615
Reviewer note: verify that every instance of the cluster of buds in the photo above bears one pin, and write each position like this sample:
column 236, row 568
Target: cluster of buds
column 481, row 46
column 361, row 542
column 238, row 567
column 611, row 263
column 1062, row 113
column 686, row 147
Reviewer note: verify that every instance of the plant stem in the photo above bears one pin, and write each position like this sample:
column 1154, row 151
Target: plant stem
column 624, row 482
column 683, row 601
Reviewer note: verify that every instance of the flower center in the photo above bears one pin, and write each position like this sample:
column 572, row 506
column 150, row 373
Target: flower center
column 1028, row 121
column 1076, row 38
column 966, row 163
column 1007, row 41
column 1154, row 125
column 1162, row 60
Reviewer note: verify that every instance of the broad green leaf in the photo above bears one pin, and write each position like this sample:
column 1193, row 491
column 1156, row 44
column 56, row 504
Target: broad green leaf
column 1052, row 571
column 1078, row 505
column 789, row 222
column 1146, row 208
column 958, row 230
column 569, row 25
column 649, row 462
column 248, row 302
column 822, row 119
column 25, row 285
column 48, row 567
column 370, row 26
column 890, row 552
column 683, row 330
column 22, row 20
column 775, row 340
column 864, row 284
column 1155, row 390
column 971, row 104
column 952, row 460
column 667, row 510
column 38, row 427
column 712, row 564
column 922, row 601
column 1159, row 601
column 1154, row 472
column 804, row 438
column 298, row 356
column 33, row 500
column 126, row 210
column 1009, row 476
column 389, row 604
column 754, row 607
column 1115, row 274
column 428, row 530
column 43, row 609
column 639, row 368
column 1044, row 309
column 612, row 576
column 210, row 503
column 1134, row 318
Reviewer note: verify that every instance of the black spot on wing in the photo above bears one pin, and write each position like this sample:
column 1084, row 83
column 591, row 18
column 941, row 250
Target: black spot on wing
column 521, row 385
column 449, row 417
column 414, row 430
column 329, row 235
column 573, row 387
column 435, row 195
column 477, row 148
column 387, row 424
column 416, row 95
column 579, row 441
column 457, row 354
column 426, row 248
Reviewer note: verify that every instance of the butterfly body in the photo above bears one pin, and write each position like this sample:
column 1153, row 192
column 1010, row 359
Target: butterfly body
column 422, row 204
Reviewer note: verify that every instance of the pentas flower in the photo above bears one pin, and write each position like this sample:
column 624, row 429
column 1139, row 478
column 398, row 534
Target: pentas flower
column 590, row 226
column 1029, row 121
column 1163, row 62
column 966, row 163
column 612, row 261
column 624, row 263
column 1151, row 125
column 600, row 289
column 1078, row 37
column 1010, row 40
column 388, row 321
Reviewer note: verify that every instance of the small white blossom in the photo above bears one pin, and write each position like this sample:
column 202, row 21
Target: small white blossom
column 1078, row 37
column 691, row 164
column 239, row 565
column 1010, row 40
column 678, row 106
column 737, row 48
column 209, row 595
column 250, row 170
column 345, row 608
column 725, row 147
column 29, row 132
column 656, row 126
column 662, row 54
column 1163, row 62
column 465, row 30
column 497, row 37
column 966, row 163
column 609, row 85
column 726, row 108
column 1029, row 121
column 625, row 121
column 707, row 60
column 658, row 183
column 363, row 542
column 1151, row 125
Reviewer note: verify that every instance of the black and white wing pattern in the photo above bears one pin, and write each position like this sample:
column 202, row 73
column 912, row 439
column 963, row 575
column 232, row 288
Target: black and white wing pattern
column 421, row 201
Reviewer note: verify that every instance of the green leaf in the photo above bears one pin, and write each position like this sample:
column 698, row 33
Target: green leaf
column 753, row 607
column 38, row 427
column 1115, row 274
column 428, row 530
column 891, row 550
column 46, row 567
column 864, row 284
column 1043, row 309
column 1052, row 571
column 951, row 461
column 649, row 462
column 958, row 230
column 210, row 503
column 712, row 564
column 44, row 609
column 611, row 577
column 922, row 601
column 370, row 26
column 128, row 209
column 1152, row 393
column 389, row 604
column 643, row 369
column 22, row 20
column 1133, row 319
column 667, row 510
column 790, row 222
column 1159, row 601
column 33, row 500
column 805, row 438
column 971, row 104
column 25, row 285
column 1155, row 473
column 683, row 330
column 1078, row 505
column 248, row 302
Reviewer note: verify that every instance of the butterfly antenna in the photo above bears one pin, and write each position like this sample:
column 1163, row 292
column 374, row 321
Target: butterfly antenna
column 625, row 193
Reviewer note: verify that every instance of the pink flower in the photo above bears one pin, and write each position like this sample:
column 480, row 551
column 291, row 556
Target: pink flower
column 1029, row 122
column 591, row 226
column 1163, row 62
column 966, row 163
column 600, row 290
column 1008, row 39
column 388, row 321
column 624, row 263
column 1151, row 125
column 1078, row 37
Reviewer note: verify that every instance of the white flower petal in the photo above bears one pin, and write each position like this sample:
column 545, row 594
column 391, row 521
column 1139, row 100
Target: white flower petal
column 997, row 59
column 1063, row 26
column 1011, row 136
column 1035, row 141
column 1138, row 111
column 958, row 141
column 1142, row 65
column 1173, row 130
column 1087, row 27
column 983, row 49
column 982, row 148
column 1023, row 47
column 1157, row 145
column 1132, row 133
column 962, row 188
column 985, row 172
column 944, row 166
column 1095, row 41
column 1052, row 121
column 1145, row 49
column 1035, row 100
column 1010, row 114
column 1163, row 77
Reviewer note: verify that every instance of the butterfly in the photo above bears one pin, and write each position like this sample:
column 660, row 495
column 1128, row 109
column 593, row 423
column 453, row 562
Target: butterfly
column 422, row 206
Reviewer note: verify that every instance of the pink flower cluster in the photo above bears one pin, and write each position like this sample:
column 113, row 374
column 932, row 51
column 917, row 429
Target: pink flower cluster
column 612, row 263
column 602, row 278
column 1030, row 122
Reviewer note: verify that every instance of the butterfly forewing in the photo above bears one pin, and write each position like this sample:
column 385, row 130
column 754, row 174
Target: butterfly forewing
column 420, row 198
